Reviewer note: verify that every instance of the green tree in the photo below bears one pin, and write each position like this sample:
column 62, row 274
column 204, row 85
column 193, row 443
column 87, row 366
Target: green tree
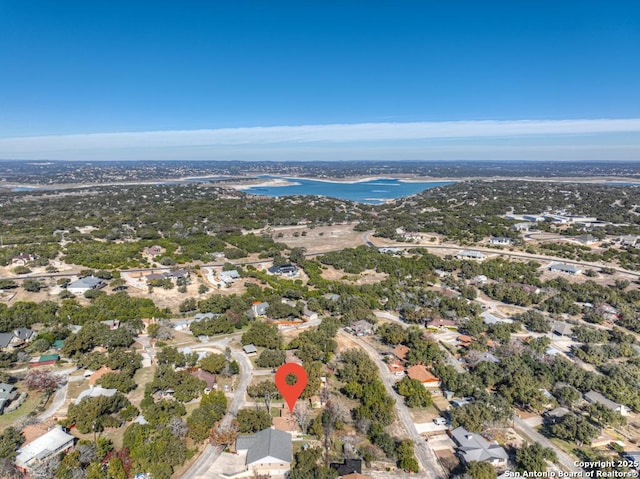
column 10, row 440
column 253, row 420
column 213, row 363
column 480, row 470
column 533, row 457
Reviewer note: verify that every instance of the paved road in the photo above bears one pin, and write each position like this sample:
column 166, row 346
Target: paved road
column 565, row 461
column 425, row 455
column 59, row 396
column 210, row 454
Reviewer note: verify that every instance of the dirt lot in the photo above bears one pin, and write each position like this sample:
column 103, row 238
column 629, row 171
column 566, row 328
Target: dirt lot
column 366, row 277
column 318, row 239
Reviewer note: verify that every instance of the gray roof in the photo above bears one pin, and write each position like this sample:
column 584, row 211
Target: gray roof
column 596, row 397
column 43, row 447
column 89, row 282
column 474, row 447
column 249, row 348
column 470, row 254
column 5, row 339
column 23, row 333
column 558, row 412
column 95, row 392
column 565, row 268
column 561, row 328
column 266, row 443
column 233, row 274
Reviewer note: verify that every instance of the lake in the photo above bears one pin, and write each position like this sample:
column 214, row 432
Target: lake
column 373, row 191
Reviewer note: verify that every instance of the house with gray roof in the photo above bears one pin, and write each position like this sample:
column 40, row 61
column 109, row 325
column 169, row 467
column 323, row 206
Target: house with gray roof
column 85, row 284
column 5, row 340
column 267, row 452
column 468, row 254
column 474, row 447
column 8, row 394
column 95, row 392
column 259, row 309
column 561, row 328
column 564, row 268
column 595, row 397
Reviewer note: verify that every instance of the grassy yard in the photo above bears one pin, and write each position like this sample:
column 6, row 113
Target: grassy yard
column 28, row 406
column 142, row 377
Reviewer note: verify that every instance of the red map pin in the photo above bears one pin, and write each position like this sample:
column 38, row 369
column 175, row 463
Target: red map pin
column 291, row 392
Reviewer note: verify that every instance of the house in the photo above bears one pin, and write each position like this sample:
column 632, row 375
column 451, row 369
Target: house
column 525, row 226
column 474, row 447
column 201, row 316
column 595, row 397
column 500, row 240
column 229, row 277
column 396, row 367
column 356, row 475
column 480, row 279
column 468, row 254
column 95, row 392
column 153, row 251
column 179, row 274
column 54, row 442
column 400, row 352
column 489, row 318
column 349, row 466
column 309, row 315
column 8, row 393
column 249, row 349
column 205, row 376
column 331, row 296
column 266, row 452
column 259, row 309
column 551, row 417
column 286, row 422
column 464, row 341
column 586, row 239
column 560, row 328
column 85, row 284
column 362, row 328
column 419, row 372
column 629, row 240
column 23, row 259
column 5, row 340
column 442, row 323
column 564, row 268
column 45, row 360
column 16, row 338
column 288, row 270
column 112, row 324
column 392, row 251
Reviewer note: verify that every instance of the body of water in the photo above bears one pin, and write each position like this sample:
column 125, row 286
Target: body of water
column 375, row 191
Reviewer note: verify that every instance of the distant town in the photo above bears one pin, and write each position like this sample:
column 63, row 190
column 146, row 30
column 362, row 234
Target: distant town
column 480, row 329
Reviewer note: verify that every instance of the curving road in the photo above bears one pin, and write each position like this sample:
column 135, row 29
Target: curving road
column 425, row 455
column 211, row 453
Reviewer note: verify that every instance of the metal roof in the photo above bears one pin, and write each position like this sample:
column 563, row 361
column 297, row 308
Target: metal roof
column 266, row 443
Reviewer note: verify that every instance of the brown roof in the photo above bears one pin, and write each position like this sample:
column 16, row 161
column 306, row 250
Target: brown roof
column 355, row 475
column 463, row 338
column 98, row 374
column 206, row 376
column 401, row 351
column 395, row 366
column 422, row 374
column 442, row 322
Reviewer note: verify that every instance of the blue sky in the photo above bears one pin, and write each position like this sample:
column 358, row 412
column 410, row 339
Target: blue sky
column 77, row 75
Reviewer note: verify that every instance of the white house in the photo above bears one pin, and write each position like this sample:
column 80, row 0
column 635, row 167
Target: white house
column 468, row 254
column 564, row 268
column 85, row 284
column 54, row 442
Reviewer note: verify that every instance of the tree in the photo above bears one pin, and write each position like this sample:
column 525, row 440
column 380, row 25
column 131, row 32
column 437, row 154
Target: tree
column 262, row 334
column 533, row 457
column 213, row 363
column 415, row 394
column 306, row 466
column 271, row 358
column 406, row 458
column 573, row 428
column 42, row 380
column 302, row 415
column 253, row 420
column 212, row 407
column 480, row 470
column 10, row 440
column 115, row 470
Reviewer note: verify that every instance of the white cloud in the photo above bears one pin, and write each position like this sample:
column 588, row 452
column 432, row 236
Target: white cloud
column 139, row 145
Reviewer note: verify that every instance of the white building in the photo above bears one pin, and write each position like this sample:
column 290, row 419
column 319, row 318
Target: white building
column 51, row 444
